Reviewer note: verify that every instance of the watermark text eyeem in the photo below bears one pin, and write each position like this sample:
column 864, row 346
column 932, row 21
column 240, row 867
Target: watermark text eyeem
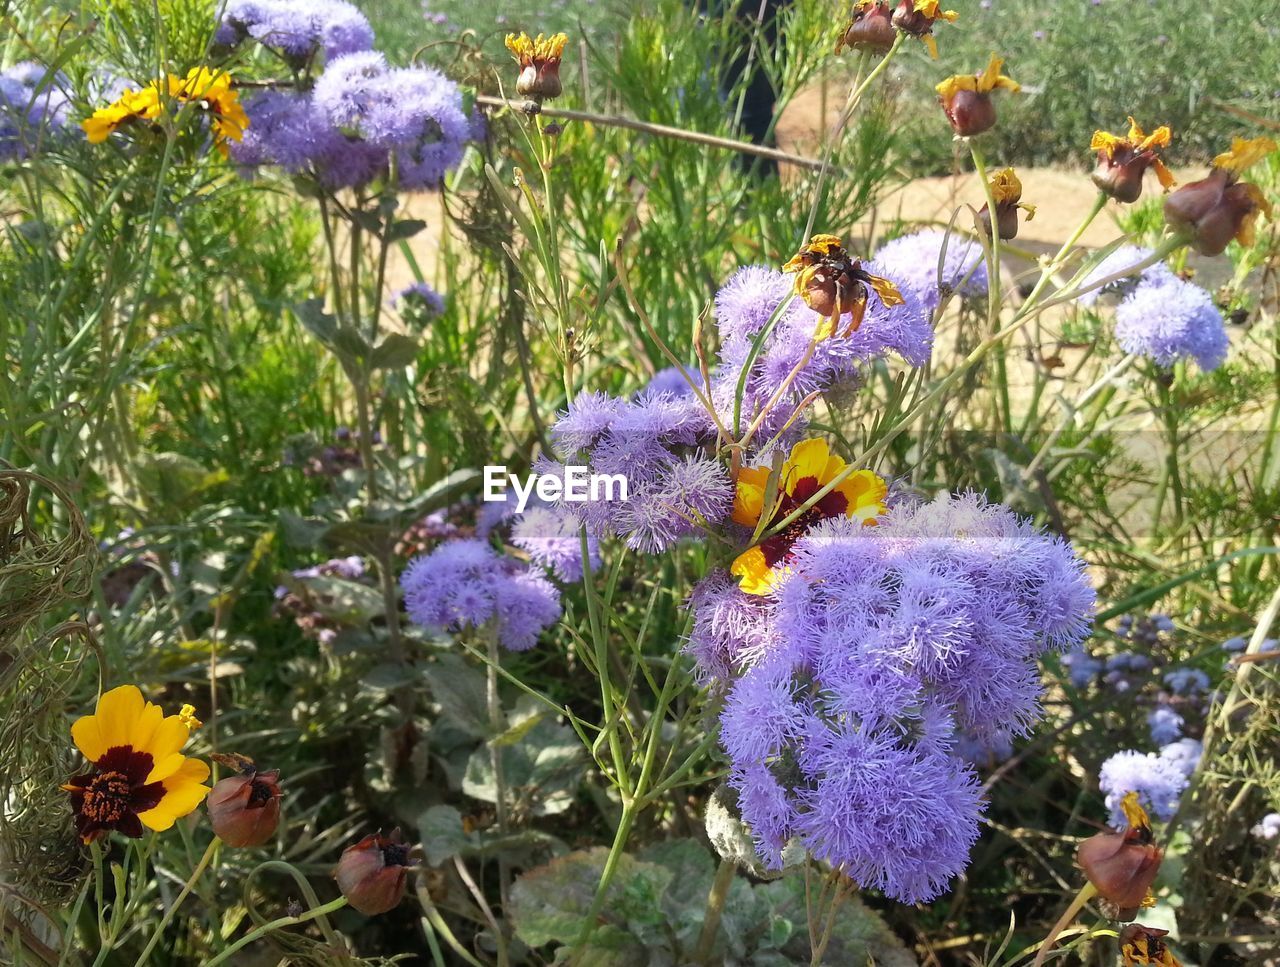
column 578, row 486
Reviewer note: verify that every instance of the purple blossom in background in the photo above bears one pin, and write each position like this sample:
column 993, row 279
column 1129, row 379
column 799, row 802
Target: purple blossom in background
column 1165, row 725
column 912, row 261
column 1120, row 260
column 419, row 301
column 1182, row 755
column 466, row 583
column 1268, row 827
column 1158, row 782
column 551, row 537
column 1082, row 667
column 672, row 382
column 1238, row 643
column 298, row 29
column 34, row 107
column 1186, row 681
column 1169, row 320
column 846, row 688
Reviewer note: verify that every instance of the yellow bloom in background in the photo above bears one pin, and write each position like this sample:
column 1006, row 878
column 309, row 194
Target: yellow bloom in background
column 809, row 468
column 140, row 778
column 984, row 83
column 1244, row 153
column 1220, row 207
column 539, row 60
column 832, row 283
column 130, row 106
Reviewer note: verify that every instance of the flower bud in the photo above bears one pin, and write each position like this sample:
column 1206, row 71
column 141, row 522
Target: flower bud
column 1120, row 177
column 244, row 810
column 372, row 873
column 1123, row 865
column 539, row 60
column 871, row 28
column 970, row 113
column 917, row 17
column 1216, row 209
column 1124, row 159
column 1006, row 189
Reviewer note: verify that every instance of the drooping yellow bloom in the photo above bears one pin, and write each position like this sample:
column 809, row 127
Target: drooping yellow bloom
column 833, row 283
column 809, row 468
column 1220, row 207
column 539, row 60
column 1244, row 153
column 1006, row 190
column 983, row 83
column 131, row 105
column 139, row 776
column 1145, row 947
column 917, row 18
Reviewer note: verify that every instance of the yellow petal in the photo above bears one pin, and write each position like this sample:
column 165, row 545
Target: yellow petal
column 183, row 792
column 1164, row 175
column 168, row 738
column 953, row 85
column 931, row 45
column 88, row 738
column 865, row 491
column 753, row 574
column 1105, row 141
column 118, row 711
column 808, row 459
column 748, row 498
column 144, row 727
column 887, row 291
column 1244, row 153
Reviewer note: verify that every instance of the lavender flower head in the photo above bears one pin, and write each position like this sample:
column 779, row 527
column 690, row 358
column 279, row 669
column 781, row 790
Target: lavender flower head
column 1183, row 755
column 419, row 302
column 1268, row 827
column 846, row 688
column 1165, row 725
column 672, row 381
column 466, row 584
column 298, row 29
column 1123, row 258
column 1186, row 681
column 912, row 261
column 551, row 537
column 34, row 106
column 1082, row 667
column 1158, row 782
column 1169, row 320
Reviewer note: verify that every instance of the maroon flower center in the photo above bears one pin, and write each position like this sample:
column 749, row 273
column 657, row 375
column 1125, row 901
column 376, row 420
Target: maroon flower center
column 107, row 798
column 777, row 548
column 395, row 854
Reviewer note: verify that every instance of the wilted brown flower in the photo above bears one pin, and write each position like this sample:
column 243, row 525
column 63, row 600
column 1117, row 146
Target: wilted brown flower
column 372, row 873
column 1141, row 946
column 1213, row 211
column 917, row 17
column 1123, row 865
column 244, row 810
column 966, row 98
column 1123, row 161
column 870, row 28
column 1006, row 189
column 833, row 283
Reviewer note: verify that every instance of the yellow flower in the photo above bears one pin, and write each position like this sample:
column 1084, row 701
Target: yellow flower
column 539, row 61
column 1244, row 153
column 809, row 468
column 1122, row 161
column 966, row 98
column 1214, row 210
column 833, row 283
column 212, row 91
column 131, row 105
column 139, row 776
column 188, row 715
column 1006, row 189
column 1145, row 947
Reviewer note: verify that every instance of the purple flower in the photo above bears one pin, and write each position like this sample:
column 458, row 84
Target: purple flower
column 672, row 382
column 466, row 584
column 552, row 539
column 298, row 29
column 1165, row 725
column 1186, row 681
column 748, row 299
column 1268, row 827
column 588, row 417
column 419, row 301
column 726, row 623
column 912, row 261
column 1182, row 755
column 1158, row 783
column 1082, row 667
column 1170, row 320
column 1121, row 259
column 34, row 106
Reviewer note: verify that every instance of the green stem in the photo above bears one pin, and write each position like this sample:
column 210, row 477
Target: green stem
column 1086, row 894
column 437, row 923
column 173, row 908
column 715, row 908
column 629, row 810
column 276, row 924
column 497, row 724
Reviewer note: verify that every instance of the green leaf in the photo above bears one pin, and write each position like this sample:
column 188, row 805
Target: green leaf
column 405, row 228
column 459, row 690
column 174, row 480
column 347, row 602
column 395, row 352
column 443, row 835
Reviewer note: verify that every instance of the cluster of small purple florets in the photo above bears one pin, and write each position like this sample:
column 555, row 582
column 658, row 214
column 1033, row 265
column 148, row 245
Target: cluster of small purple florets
column 467, row 584
column 34, row 106
column 418, row 303
column 912, row 261
column 304, row 601
column 846, row 688
column 362, row 120
column 1162, row 317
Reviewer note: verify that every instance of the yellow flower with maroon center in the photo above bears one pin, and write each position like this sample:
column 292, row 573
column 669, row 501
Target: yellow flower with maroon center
column 143, row 105
column 809, row 468
column 917, row 17
column 211, row 91
column 966, row 98
column 833, row 283
column 1213, row 211
column 1122, row 161
column 139, row 778
column 1140, row 946
column 539, row 60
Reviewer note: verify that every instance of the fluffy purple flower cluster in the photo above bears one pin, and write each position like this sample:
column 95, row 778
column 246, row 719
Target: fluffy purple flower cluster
column 1166, row 320
column 34, row 106
column 419, row 303
column 653, row 442
column 1122, row 259
column 297, row 29
column 743, row 308
column 363, row 120
column 552, row 538
column 1158, row 781
column 913, row 262
column 467, row 584
column 887, row 655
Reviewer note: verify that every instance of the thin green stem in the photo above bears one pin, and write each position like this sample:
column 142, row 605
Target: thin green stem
column 716, row 898
column 187, row 887
column 276, row 924
column 1086, row 894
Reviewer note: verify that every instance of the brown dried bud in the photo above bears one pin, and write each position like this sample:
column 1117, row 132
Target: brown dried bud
column 1123, row 865
column 871, row 29
column 1213, row 211
column 1120, row 177
column 970, row 113
column 1145, row 947
column 244, row 810
column 372, row 873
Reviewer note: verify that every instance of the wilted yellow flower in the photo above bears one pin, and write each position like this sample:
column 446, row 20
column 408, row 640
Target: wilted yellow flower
column 1122, row 161
column 833, row 283
column 539, row 60
column 917, row 17
column 966, row 98
column 1006, row 190
column 1213, row 211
